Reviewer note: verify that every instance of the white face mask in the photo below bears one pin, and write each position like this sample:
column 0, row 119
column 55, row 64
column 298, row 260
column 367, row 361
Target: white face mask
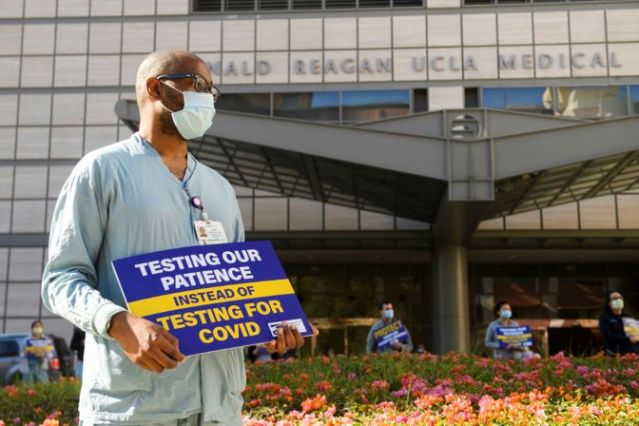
column 616, row 304
column 196, row 117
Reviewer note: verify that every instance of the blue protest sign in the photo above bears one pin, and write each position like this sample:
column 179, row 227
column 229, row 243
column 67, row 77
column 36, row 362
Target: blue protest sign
column 386, row 335
column 516, row 336
column 212, row 297
column 631, row 327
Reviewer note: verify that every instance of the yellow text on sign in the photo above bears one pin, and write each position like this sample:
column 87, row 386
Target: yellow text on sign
column 204, row 297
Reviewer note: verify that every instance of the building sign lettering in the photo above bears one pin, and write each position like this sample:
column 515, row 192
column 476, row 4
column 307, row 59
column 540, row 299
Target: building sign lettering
column 418, row 64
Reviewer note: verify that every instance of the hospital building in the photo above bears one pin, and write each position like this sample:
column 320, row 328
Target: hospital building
column 440, row 154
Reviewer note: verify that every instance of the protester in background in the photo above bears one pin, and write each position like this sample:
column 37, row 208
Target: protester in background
column 40, row 355
column 504, row 319
column 77, row 345
column 387, row 314
column 611, row 327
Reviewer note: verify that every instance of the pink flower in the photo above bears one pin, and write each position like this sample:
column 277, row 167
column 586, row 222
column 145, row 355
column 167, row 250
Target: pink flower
column 378, row 385
column 400, row 393
column 582, row 370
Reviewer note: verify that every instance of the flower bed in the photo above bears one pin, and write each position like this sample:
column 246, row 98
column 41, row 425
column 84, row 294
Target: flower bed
column 403, row 389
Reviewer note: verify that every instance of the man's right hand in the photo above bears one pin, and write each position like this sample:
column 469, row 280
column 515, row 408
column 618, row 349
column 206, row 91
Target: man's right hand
column 146, row 344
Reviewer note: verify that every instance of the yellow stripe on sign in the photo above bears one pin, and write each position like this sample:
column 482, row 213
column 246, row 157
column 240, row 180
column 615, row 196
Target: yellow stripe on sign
column 210, row 296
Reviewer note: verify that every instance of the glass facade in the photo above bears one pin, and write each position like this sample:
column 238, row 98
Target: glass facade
column 370, row 105
column 66, row 63
column 330, row 291
column 333, row 107
column 634, row 99
column 213, row 6
column 546, row 292
column 314, row 106
column 527, row 99
column 613, row 212
column 588, row 102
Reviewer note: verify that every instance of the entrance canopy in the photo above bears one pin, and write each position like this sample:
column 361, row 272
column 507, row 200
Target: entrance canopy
column 511, row 162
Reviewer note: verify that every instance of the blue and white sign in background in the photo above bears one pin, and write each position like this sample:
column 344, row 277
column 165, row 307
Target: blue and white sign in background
column 386, row 335
column 516, row 336
column 212, row 297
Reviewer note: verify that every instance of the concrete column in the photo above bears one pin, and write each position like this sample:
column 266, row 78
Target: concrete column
column 451, row 322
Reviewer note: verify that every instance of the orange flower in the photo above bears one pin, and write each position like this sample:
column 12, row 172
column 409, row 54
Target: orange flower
column 317, row 403
column 323, row 386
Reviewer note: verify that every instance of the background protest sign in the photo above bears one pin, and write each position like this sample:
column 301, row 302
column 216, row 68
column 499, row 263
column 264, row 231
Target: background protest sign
column 212, row 297
column 516, row 336
column 389, row 333
column 631, row 327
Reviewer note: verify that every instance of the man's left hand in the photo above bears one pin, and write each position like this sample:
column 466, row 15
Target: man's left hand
column 287, row 338
column 396, row 345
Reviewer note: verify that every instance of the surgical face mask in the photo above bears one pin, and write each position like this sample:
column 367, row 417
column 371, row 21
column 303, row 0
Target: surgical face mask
column 389, row 314
column 616, row 304
column 505, row 314
column 37, row 331
column 196, row 117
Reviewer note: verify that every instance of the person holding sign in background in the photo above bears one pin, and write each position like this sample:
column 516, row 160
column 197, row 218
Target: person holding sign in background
column 40, row 355
column 617, row 339
column 143, row 195
column 491, row 340
column 388, row 334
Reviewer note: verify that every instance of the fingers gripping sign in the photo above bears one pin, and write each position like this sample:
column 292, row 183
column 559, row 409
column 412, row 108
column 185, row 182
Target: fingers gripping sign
column 145, row 344
column 288, row 338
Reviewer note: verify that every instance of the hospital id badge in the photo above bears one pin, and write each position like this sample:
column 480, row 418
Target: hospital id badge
column 209, row 232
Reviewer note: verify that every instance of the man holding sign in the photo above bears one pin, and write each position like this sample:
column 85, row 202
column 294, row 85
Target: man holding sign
column 144, row 195
column 388, row 334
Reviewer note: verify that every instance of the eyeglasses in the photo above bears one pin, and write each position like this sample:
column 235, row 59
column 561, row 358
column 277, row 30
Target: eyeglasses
column 199, row 82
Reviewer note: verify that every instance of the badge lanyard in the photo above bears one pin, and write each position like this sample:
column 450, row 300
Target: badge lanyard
column 207, row 231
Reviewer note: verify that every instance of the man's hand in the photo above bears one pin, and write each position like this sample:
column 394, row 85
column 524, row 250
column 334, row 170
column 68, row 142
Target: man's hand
column 146, row 344
column 395, row 344
column 634, row 340
column 287, row 338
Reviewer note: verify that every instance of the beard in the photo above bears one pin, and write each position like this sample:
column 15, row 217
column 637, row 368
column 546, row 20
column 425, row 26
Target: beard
column 167, row 126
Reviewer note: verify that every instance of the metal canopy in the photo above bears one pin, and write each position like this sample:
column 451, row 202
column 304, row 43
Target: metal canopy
column 408, row 165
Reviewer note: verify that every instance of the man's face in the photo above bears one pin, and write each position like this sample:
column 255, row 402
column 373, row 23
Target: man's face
column 170, row 92
column 37, row 329
column 386, row 307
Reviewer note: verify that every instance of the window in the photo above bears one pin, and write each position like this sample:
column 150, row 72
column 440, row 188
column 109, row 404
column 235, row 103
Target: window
column 340, row 4
column 369, row 105
column 471, row 97
column 207, row 5
column 527, row 99
column 250, row 103
column 307, row 4
column 252, row 5
column 233, row 5
column 272, row 4
column 592, row 102
column 420, row 100
column 634, row 99
column 408, row 3
column 374, row 3
column 316, row 106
